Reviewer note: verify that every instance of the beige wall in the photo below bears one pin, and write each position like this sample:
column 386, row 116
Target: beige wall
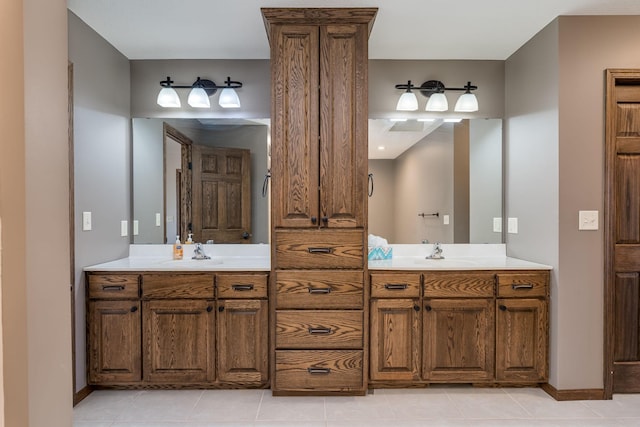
column 554, row 145
column 34, row 189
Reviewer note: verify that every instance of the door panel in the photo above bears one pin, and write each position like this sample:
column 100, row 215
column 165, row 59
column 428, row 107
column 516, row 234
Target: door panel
column 622, row 232
column 221, row 194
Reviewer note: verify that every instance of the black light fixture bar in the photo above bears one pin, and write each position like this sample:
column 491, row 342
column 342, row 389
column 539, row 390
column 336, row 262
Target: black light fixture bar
column 208, row 85
column 430, row 87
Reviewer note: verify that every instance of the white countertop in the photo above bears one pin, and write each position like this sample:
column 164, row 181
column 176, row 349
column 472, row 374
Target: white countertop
column 160, row 258
column 257, row 258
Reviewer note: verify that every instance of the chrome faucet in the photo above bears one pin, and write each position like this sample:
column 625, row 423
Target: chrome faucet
column 437, row 252
column 198, row 252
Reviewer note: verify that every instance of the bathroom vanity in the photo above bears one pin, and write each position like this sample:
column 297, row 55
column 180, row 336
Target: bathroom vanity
column 475, row 316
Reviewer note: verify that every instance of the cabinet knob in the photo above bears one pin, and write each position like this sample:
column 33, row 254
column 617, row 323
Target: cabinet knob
column 209, row 309
column 314, row 220
column 502, row 307
column 134, row 309
column 427, row 307
column 221, row 309
column 325, row 219
column 416, row 307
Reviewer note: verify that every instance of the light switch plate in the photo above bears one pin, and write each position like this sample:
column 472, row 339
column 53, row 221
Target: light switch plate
column 445, row 219
column 497, row 225
column 135, row 227
column 158, row 220
column 86, row 221
column 512, row 226
column 587, row 220
column 124, row 228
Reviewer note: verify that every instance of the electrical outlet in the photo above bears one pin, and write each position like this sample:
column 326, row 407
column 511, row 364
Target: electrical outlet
column 135, row 227
column 158, row 220
column 512, row 226
column 497, row 225
column 86, row 221
column 124, row 228
column 445, row 219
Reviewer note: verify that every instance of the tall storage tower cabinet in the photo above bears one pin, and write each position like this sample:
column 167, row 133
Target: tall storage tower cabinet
column 319, row 330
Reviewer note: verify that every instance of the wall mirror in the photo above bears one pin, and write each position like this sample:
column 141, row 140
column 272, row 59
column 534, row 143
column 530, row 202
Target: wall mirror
column 426, row 168
column 436, row 181
column 220, row 199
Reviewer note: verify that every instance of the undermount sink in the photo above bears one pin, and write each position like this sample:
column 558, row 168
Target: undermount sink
column 445, row 262
column 188, row 262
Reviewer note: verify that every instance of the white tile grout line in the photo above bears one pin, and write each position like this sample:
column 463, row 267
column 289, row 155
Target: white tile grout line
column 255, row 419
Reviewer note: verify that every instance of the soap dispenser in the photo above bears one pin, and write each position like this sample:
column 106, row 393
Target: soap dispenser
column 177, row 249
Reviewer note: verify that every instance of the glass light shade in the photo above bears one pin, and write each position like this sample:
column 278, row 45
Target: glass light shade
column 467, row 103
column 229, row 98
column 198, row 98
column 407, row 102
column 437, row 102
column 168, row 98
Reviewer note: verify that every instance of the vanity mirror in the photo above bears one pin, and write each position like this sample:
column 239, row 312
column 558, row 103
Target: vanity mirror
column 453, row 170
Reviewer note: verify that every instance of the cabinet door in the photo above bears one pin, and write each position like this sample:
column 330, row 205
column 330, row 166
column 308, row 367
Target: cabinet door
column 521, row 340
column 114, row 341
column 395, row 339
column 343, row 125
column 294, row 148
column 178, row 340
column 458, row 342
column 242, row 341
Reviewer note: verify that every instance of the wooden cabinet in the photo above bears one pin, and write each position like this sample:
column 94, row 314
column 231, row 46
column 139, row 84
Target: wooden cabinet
column 480, row 327
column 458, row 340
column 168, row 329
column 114, row 322
column 319, row 115
column 522, row 328
column 319, row 198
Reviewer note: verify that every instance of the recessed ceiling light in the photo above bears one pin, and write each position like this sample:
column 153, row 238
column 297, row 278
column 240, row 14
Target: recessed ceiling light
column 381, row 147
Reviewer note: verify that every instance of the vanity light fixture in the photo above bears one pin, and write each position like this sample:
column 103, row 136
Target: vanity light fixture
column 199, row 95
column 435, row 91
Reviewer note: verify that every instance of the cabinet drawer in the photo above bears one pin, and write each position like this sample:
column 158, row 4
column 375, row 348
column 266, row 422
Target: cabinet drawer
column 320, row 289
column 319, row 249
column 171, row 286
column 327, row 370
column 241, row 285
column 458, row 285
column 523, row 284
column 395, row 285
column 113, row 286
column 319, row 329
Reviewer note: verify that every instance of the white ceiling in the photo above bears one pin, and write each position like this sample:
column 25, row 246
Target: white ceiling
column 403, row 29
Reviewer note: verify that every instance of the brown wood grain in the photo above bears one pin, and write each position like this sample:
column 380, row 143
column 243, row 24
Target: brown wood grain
column 344, row 329
column 114, row 352
column 177, row 285
column 395, row 285
column 458, row 343
column 243, row 354
column 459, row 284
column 395, row 339
column 113, row 286
column 524, row 285
column 241, row 285
column 627, row 313
column 319, row 289
column 334, row 249
column 521, row 340
column 179, row 340
column 344, row 375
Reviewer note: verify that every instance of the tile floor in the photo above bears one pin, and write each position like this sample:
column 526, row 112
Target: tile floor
column 435, row 406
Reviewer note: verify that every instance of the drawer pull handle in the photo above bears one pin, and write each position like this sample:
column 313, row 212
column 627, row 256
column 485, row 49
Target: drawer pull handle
column 319, row 290
column 320, row 331
column 242, row 287
column 396, row 286
column 113, row 288
column 515, row 287
column 313, row 370
column 320, row 250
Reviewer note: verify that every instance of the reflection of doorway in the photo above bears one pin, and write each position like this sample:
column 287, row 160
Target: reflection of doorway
column 176, row 221
column 221, row 195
